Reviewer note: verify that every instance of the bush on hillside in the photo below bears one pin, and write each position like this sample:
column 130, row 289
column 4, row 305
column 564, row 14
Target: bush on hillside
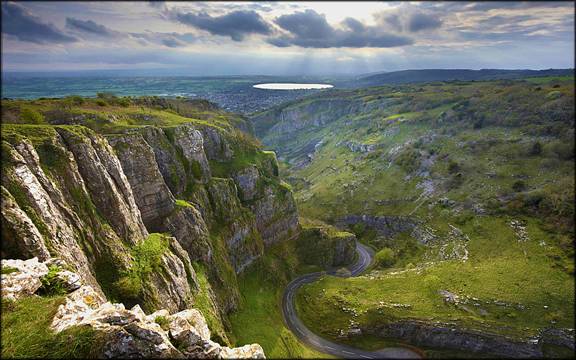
column 519, row 186
column 384, row 258
column 31, row 116
column 453, row 167
column 535, row 149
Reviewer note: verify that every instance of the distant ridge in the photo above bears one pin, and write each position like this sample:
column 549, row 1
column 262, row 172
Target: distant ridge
column 415, row 76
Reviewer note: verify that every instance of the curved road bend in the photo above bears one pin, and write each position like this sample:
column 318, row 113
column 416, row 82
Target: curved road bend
column 343, row 351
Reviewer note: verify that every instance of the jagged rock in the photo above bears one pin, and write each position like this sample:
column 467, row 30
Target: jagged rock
column 252, row 351
column 246, row 179
column 78, row 306
column 69, row 280
column 193, row 318
column 47, row 202
column 191, row 142
column 103, row 174
column 19, row 234
column 276, row 214
column 240, row 227
column 175, row 285
column 187, row 225
column 120, row 343
column 167, row 158
column 133, row 334
column 151, row 193
column 216, row 146
column 23, row 282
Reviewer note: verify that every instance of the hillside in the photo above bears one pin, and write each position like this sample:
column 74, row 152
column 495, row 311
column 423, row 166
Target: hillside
column 466, row 192
column 157, row 205
column 428, row 75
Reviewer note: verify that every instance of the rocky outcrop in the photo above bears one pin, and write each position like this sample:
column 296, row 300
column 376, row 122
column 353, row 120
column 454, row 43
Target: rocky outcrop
column 21, row 278
column 326, row 247
column 19, row 234
column 120, row 332
column 216, row 146
column 276, row 214
column 43, row 201
column 238, row 225
column 191, row 143
column 71, row 188
column 130, row 333
column 389, row 226
column 175, row 285
column 152, row 195
column 104, row 177
column 247, row 179
column 172, row 169
column 446, row 336
column 187, row 225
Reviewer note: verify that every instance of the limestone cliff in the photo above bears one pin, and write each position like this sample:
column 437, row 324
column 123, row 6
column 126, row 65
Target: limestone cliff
column 93, row 200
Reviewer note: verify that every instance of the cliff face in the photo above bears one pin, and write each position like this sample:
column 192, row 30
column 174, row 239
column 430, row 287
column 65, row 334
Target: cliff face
column 93, row 201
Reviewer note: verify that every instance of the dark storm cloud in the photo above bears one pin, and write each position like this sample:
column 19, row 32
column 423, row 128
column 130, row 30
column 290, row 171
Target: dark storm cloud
column 236, row 24
column 354, row 25
column 420, row 21
column 18, row 22
column 309, row 29
column 409, row 20
column 307, row 24
column 90, row 27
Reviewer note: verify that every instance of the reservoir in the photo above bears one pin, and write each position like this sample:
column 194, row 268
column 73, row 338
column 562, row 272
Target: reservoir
column 291, row 86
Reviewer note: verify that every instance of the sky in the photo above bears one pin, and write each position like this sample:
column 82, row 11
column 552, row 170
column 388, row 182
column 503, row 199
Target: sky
column 285, row 38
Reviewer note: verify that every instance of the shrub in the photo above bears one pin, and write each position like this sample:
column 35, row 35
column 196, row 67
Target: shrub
column 101, row 102
column 409, row 160
column 453, row 167
column 74, row 100
column 519, row 186
column 31, row 116
column 384, row 258
column 564, row 151
column 124, row 102
column 535, row 149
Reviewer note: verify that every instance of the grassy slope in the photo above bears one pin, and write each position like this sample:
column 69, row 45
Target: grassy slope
column 26, row 332
column 531, row 274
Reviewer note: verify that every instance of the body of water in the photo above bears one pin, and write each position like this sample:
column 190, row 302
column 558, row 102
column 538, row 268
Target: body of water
column 292, row 86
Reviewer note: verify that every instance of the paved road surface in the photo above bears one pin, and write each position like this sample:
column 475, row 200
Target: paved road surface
column 291, row 319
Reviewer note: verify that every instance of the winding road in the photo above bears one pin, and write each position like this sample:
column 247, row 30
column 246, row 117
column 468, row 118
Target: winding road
column 291, row 319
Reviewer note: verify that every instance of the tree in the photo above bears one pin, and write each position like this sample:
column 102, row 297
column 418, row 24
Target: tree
column 31, row 116
column 384, row 258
